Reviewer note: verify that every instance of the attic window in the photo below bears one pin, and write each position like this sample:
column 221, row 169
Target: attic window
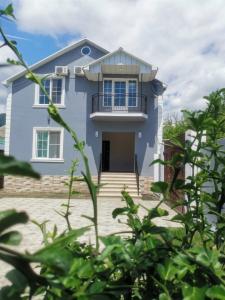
column 86, row 50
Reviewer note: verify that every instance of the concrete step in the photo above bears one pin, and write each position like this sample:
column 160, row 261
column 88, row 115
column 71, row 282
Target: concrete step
column 118, row 175
column 115, row 194
column 118, row 184
column 113, row 184
column 112, row 189
column 120, row 179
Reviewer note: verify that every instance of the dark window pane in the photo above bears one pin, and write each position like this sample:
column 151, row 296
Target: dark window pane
column 43, row 99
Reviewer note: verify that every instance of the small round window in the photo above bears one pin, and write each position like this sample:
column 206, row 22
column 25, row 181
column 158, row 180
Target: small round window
column 86, row 50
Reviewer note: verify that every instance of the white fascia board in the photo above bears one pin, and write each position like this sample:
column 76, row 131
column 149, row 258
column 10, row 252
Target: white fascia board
column 53, row 56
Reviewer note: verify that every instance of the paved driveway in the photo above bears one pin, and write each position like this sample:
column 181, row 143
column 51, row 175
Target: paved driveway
column 45, row 209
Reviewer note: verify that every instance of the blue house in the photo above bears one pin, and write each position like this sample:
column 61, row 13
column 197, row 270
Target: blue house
column 111, row 99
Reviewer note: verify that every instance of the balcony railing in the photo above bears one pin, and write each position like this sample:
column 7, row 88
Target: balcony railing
column 119, row 103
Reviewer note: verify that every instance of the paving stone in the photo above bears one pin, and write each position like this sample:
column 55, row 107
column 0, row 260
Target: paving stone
column 42, row 209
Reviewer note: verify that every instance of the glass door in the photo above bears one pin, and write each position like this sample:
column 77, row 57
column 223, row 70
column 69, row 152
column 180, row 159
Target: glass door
column 120, row 95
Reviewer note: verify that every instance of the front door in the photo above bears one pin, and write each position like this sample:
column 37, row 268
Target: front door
column 105, row 155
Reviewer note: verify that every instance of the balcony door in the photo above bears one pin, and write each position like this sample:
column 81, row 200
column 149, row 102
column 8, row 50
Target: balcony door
column 120, row 94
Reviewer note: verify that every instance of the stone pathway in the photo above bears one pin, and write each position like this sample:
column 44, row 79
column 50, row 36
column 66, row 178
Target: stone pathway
column 45, row 209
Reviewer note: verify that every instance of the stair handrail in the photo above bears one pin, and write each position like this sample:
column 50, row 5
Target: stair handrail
column 136, row 172
column 100, row 169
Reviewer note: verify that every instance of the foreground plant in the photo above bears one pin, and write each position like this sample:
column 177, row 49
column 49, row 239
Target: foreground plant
column 149, row 262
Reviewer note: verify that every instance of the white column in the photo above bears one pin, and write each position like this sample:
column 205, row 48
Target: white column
column 158, row 169
column 8, row 119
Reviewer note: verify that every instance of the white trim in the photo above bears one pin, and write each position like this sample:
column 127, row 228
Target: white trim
column 46, row 106
column 34, row 143
column 46, row 160
column 158, row 169
column 63, row 94
column 135, row 116
column 53, row 56
column 8, row 119
column 114, row 79
column 83, row 53
column 160, row 123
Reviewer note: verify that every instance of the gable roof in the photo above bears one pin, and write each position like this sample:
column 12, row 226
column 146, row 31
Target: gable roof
column 53, row 56
column 115, row 52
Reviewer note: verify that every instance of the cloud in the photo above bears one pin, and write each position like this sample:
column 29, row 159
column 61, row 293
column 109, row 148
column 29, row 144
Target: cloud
column 184, row 39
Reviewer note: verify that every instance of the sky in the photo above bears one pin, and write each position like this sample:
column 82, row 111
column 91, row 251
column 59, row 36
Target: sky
column 184, row 39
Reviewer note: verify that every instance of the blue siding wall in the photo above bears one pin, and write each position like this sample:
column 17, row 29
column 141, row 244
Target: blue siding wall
column 78, row 108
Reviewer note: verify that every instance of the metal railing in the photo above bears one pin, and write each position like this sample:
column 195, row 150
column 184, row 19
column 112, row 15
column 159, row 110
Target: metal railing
column 119, row 102
column 136, row 173
column 100, row 169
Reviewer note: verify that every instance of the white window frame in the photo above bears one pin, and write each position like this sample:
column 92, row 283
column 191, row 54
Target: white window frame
column 127, row 90
column 34, row 147
column 37, row 92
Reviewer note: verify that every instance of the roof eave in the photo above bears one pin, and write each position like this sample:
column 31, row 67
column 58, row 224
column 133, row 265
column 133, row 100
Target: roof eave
column 51, row 57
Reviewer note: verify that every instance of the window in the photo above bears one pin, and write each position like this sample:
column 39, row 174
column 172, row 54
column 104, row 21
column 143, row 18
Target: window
column 47, row 144
column 132, row 93
column 120, row 93
column 86, row 50
column 107, row 93
column 55, row 87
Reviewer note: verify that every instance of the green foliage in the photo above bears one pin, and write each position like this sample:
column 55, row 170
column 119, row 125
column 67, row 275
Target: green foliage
column 173, row 129
column 150, row 262
column 10, row 166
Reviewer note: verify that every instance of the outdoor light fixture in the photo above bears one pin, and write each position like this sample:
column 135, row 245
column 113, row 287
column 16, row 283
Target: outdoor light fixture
column 139, row 134
column 96, row 134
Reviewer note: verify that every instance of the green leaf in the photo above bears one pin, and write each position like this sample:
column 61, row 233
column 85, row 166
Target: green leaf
column 97, row 287
column 8, row 11
column 216, row 292
column 193, row 293
column 10, row 218
column 17, row 279
column 119, row 211
column 159, row 161
column 13, row 62
column 164, row 296
column 167, row 270
column 11, row 238
column 55, row 254
column 89, row 218
column 10, row 166
column 157, row 212
column 159, row 187
column 86, row 270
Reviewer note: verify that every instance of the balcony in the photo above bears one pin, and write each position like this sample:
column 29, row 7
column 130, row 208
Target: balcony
column 119, row 107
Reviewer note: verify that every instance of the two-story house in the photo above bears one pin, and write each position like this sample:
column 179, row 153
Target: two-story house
column 111, row 99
